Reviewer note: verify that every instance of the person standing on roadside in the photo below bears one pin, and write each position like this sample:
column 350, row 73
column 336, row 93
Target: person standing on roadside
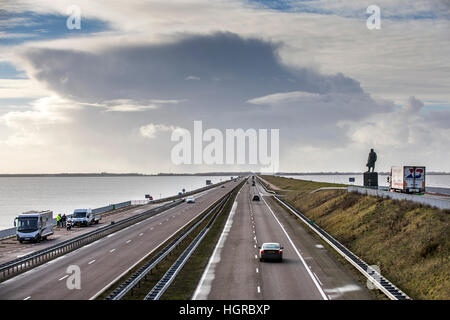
column 58, row 220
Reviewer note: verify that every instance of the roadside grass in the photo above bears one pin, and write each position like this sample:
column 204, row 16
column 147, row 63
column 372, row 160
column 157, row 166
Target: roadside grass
column 408, row 241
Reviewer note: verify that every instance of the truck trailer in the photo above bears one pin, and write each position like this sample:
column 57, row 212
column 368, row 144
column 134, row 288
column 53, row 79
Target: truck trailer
column 34, row 225
column 408, row 179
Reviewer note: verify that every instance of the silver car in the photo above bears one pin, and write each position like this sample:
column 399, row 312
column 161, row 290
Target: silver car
column 271, row 251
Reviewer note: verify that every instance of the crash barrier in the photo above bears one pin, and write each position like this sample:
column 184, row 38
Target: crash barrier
column 422, row 199
column 11, row 232
column 14, row 267
column 141, row 274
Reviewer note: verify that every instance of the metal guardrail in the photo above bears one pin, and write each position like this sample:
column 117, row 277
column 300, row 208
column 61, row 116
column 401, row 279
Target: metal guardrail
column 14, row 267
column 164, row 283
column 11, row 232
column 141, row 273
column 388, row 288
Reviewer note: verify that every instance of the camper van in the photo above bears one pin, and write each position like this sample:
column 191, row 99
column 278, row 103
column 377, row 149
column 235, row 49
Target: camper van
column 34, row 225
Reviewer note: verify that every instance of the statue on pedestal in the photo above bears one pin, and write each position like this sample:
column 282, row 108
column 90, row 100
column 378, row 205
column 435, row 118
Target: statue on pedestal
column 371, row 160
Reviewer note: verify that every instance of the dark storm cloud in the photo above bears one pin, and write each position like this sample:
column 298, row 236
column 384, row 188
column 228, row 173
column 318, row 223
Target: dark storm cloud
column 224, row 65
column 216, row 77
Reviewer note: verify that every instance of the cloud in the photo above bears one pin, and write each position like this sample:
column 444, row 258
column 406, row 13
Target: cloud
column 192, row 78
column 151, row 130
column 256, row 90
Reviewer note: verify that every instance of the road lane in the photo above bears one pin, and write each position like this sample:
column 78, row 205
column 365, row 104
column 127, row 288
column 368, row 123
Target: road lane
column 239, row 275
column 112, row 255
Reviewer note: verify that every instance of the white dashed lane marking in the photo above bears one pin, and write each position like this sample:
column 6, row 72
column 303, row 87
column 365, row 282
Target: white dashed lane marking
column 63, row 277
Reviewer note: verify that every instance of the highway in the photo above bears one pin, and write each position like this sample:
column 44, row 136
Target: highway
column 104, row 261
column 308, row 270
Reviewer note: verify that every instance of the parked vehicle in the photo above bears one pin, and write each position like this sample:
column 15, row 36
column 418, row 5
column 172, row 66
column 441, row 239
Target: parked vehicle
column 84, row 217
column 408, row 179
column 69, row 224
column 271, row 251
column 34, row 225
column 208, row 182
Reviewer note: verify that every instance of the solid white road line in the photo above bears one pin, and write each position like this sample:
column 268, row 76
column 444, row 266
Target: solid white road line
column 319, row 288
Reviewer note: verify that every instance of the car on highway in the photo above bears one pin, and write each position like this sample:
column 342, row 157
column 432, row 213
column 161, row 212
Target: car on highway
column 271, row 251
column 256, row 198
column 190, row 200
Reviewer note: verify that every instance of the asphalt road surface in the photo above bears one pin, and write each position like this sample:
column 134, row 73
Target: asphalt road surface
column 308, row 270
column 103, row 261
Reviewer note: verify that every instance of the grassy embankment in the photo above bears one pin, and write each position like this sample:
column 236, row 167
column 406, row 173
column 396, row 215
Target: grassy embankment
column 408, row 241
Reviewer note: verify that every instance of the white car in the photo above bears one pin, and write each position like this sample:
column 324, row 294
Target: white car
column 190, row 200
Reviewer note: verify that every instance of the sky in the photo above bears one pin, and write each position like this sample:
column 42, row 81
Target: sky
column 109, row 95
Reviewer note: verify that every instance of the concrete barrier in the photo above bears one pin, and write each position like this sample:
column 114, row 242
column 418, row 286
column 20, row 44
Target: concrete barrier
column 438, row 203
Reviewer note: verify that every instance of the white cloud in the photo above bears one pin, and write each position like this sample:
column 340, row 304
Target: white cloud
column 151, row 130
column 192, row 78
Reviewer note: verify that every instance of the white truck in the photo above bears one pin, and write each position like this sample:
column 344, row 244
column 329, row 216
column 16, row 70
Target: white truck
column 84, row 217
column 34, row 225
column 408, row 179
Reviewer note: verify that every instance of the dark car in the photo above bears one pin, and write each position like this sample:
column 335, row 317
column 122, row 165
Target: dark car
column 271, row 251
column 256, row 198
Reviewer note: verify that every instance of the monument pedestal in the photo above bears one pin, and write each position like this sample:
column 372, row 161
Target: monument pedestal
column 371, row 179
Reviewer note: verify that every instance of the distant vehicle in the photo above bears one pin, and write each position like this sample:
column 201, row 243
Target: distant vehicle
column 223, row 186
column 149, row 197
column 34, row 225
column 255, row 198
column 190, row 200
column 271, row 251
column 208, row 182
column 408, row 179
column 253, row 183
column 84, row 217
